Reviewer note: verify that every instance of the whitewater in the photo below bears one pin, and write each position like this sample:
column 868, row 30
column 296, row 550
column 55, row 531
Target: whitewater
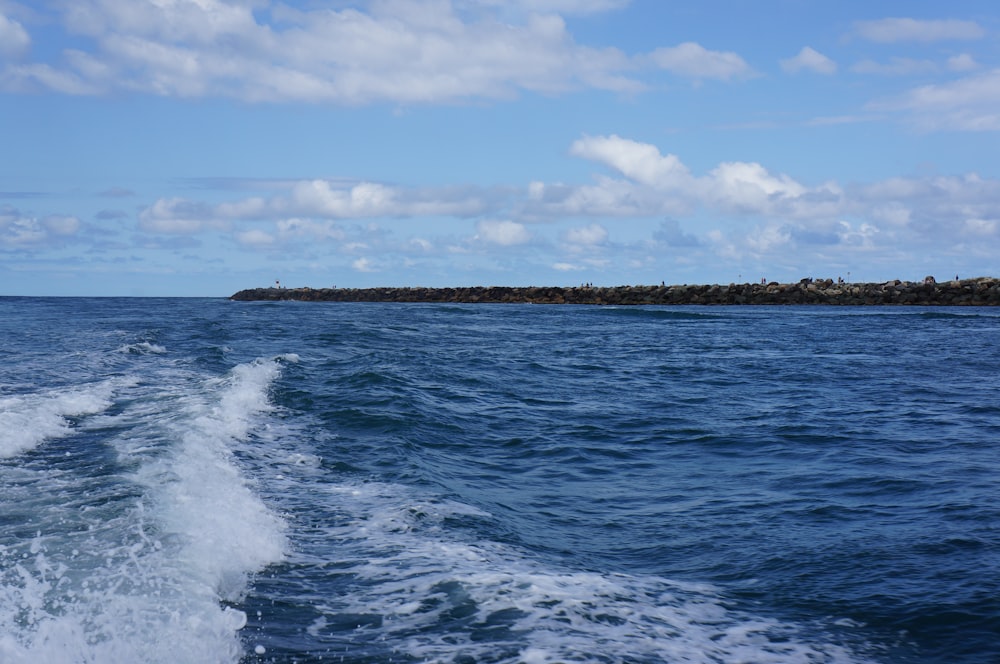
column 200, row 480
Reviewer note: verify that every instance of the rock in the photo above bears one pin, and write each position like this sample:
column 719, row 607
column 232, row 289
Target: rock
column 982, row 291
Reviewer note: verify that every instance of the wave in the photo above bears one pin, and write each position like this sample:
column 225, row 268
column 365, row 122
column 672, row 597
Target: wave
column 145, row 562
column 419, row 591
column 28, row 420
column 142, row 348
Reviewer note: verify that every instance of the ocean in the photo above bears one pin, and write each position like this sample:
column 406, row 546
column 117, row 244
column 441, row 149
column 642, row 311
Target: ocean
column 200, row 480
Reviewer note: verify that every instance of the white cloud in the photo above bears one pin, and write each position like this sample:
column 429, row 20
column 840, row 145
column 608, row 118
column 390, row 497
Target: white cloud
column 967, row 104
column 862, row 237
column 592, row 235
column 177, row 216
column 363, row 265
column 662, row 184
column 768, row 239
column 638, row 161
column 329, row 200
column 403, row 52
column 14, row 39
column 504, row 233
column 366, row 199
column 889, row 30
column 19, row 231
column 608, row 197
column 734, row 210
column 749, row 186
column 695, row 61
column 811, row 60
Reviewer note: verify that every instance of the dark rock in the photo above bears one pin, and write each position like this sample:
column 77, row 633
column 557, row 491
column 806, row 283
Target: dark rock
column 982, row 291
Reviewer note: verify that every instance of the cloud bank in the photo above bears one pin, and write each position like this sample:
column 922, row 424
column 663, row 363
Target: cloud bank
column 734, row 211
column 398, row 51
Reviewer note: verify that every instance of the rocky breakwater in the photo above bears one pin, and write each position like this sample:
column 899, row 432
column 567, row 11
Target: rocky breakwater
column 982, row 291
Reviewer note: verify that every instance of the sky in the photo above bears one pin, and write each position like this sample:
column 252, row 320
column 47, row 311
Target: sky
column 199, row 147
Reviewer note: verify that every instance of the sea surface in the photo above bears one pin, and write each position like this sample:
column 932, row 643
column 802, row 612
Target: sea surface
column 199, row 480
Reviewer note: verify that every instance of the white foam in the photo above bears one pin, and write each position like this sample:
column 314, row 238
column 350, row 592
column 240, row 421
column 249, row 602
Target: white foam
column 28, row 420
column 142, row 348
column 226, row 531
column 417, row 579
column 145, row 573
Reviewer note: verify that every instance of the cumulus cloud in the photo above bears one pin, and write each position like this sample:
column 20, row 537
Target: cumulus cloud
column 889, row 30
column 638, row 161
column 176, row 216
column 363, row 265
column 695, row 61
column 18, row 230
column 504, row 233
column 365, row 199
column 658, row 184
column 811, row 60
column 592, row 235
column 749, row 187
column 777, row 213
column 768, row 239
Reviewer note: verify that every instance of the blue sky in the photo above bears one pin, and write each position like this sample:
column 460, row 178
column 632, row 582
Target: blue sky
column 198, row 147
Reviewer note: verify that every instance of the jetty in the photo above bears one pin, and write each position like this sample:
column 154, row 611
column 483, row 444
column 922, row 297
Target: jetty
column 980, row 291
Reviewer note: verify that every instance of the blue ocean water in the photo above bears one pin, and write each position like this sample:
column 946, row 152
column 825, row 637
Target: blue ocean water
column 199, row 480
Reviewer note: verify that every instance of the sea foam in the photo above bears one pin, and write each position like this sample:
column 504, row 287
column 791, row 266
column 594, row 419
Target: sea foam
column 428, row 596
column 27, row 420
column 152, row 563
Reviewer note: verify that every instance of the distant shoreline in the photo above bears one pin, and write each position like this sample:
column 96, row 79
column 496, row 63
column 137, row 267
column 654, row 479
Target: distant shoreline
column 981, row 291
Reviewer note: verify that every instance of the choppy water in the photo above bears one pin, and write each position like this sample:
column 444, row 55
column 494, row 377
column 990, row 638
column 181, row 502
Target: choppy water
column 198, row 480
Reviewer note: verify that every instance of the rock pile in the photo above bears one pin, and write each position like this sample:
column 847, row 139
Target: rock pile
column 982, row 291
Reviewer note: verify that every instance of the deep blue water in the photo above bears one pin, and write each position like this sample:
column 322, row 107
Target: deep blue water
column 198, row 480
